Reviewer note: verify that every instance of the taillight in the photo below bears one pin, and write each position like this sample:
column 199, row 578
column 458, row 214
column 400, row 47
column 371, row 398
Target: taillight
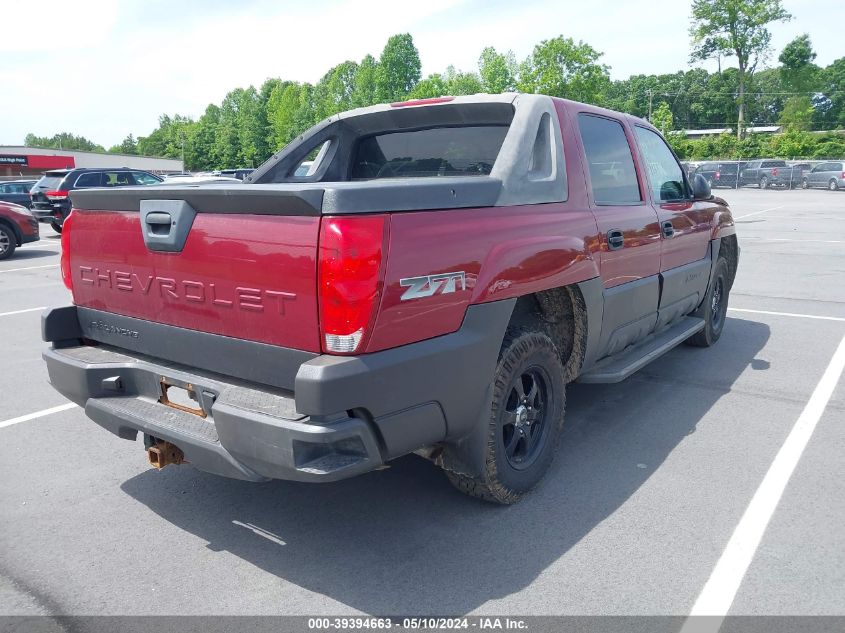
column 56, row 195
column 774, row 171
column 843, row 175
column 349, row 279
column 718, row 175
column 65, row 259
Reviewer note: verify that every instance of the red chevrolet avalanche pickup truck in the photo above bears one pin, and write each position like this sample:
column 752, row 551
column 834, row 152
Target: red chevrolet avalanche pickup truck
column 420, row 277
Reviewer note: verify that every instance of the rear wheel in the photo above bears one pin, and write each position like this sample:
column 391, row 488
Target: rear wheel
column 764, row 182
column 8, row 242
column 805, row 184
column 833, row 185
column 56, row 226
column 714, row 309
column 525, row 422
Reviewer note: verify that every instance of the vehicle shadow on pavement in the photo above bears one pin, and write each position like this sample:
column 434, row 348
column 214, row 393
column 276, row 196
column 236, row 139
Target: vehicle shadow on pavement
column 401, row 541
column 31, row 253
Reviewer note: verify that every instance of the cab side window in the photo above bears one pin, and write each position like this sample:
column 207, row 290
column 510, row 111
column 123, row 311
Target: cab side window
column 613, row 176
column 144, row 179
column 664, row 172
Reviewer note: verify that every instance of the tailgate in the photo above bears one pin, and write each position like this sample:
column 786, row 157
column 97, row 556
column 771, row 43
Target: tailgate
column 238, row 274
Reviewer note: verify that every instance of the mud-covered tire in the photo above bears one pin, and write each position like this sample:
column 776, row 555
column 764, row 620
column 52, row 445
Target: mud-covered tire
column 8, row 241
column 526, row 418
column 714, row 308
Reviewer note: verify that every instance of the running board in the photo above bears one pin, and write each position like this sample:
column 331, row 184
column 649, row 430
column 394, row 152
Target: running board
column 618, row 367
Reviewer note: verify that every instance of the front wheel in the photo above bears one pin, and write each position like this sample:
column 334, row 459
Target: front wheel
column 56, row 227
column 525, row 422
column 714, row 308
column 833, row 185
column 8, row 242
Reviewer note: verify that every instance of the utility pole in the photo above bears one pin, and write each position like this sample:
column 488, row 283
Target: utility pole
column 650, row 96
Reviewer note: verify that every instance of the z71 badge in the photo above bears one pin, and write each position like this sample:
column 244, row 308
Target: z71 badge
column 428, row 285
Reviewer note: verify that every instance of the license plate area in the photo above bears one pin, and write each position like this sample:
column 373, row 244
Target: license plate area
column 182, row 397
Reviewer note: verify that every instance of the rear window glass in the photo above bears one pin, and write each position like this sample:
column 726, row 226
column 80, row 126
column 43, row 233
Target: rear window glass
column 728, row 168
column 49, row 182
column 445, row 151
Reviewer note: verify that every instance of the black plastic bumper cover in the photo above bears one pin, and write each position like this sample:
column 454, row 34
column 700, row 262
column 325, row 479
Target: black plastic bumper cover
column 346, row 416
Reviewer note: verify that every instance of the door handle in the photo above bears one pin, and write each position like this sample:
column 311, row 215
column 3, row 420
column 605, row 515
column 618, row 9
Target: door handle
column 158, row 223
column 668, row 229
column 615, row 239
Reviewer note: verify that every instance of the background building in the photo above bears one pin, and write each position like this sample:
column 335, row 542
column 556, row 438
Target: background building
column 18, row 160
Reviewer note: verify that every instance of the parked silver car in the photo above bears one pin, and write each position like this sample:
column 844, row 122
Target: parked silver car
column 830, row 175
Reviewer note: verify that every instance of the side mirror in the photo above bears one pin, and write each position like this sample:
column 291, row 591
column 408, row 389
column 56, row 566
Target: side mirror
column 701, row 188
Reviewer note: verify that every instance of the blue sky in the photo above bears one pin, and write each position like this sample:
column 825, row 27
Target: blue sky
column 118, row 65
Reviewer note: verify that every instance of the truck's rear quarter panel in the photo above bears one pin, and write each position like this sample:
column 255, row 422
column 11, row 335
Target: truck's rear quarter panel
column 504, row 252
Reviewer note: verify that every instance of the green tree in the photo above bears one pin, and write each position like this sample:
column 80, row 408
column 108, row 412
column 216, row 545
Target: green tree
column 251, row 126
column 798, row 74
column 127, row 146
column 561, row 67
column 497, row 71
column 662, row 118
column 398, row 69
column 831, row 107
column 167, row 139
column 461, row 83
column 797, row 113
column 797, row 68
column 335, row 91
column 432, row 86
column 364, row 84
column 735, row 28
column 290, row 111
column 200, row 151
column 63, row 140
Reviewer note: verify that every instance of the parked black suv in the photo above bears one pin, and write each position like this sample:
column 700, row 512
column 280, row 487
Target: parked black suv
column 50, row 201
column 720, row 174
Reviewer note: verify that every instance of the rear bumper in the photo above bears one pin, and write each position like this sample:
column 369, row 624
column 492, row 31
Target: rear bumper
column 47, row 212
column 247, row 434
column 345, row 415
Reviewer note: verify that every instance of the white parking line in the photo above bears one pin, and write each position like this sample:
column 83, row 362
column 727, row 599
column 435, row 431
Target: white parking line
column 718, row 594
column 14, row 270
column 789, row 314
column 748, row 215
column 37, row 414
column 2, row 314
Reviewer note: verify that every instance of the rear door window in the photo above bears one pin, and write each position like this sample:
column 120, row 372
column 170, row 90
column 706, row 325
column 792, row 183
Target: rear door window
column 92, row 179
column 613, row 177
column 116, row 179
column 664, row 172
column 444, row 151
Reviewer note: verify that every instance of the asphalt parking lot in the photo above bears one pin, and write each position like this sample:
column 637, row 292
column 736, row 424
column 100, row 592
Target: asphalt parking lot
column 653, row 498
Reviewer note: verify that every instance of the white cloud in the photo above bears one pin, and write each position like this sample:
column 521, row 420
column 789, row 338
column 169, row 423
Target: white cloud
column 113, row 67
